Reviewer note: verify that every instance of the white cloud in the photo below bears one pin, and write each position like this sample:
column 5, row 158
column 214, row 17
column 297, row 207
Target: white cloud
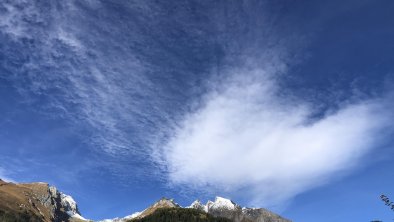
column 248, row 140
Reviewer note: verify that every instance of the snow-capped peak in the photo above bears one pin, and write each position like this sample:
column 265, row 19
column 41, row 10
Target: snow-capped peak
column 198, row 205
column 221, row 202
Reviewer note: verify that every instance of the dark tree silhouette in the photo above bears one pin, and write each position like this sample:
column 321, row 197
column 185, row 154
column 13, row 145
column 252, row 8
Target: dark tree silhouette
column 179, row 215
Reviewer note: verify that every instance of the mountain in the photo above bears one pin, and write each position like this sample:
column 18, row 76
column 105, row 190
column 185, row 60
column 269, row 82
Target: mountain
column 39, row 202
column 226, row 208
column 178, row 214
column 36, row 202
column 220, row 208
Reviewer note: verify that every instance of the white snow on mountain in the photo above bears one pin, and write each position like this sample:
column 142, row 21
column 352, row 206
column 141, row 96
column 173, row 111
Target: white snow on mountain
column 117, row 219
column 198, row 205
column 73, row 215
column 70, row 206
column 221, row 202
column 134, row 215
column 68, row 202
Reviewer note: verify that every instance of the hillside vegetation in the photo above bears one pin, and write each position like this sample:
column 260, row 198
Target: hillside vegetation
column 179, row 215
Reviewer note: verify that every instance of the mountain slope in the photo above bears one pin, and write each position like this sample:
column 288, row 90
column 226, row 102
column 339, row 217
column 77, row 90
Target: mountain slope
column 220, row 208
column 162, row 203
column 179, row 215
column 36, row 202
column 226, row 208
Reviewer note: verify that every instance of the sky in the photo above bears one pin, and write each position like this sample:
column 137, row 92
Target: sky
column 286, row 105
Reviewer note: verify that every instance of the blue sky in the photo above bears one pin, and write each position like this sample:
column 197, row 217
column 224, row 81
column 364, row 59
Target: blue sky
column 279, row 104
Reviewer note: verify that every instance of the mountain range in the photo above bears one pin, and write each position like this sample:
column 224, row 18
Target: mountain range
column 40, row 202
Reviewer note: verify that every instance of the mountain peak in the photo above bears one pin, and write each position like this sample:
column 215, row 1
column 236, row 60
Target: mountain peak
column 162, row 203
column 198, row 205
column 221, row 202
column 166, row 202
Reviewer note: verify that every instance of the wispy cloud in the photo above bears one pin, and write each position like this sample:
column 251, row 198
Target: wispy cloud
column 249, row 140
column 4, row 175
column 86, row 77
column 71, row 66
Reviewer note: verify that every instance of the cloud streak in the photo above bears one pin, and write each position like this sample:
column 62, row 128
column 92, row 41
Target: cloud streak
column 248, row 138
column 92, row 82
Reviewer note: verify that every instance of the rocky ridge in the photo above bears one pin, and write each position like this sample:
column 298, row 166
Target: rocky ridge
column 221, row 207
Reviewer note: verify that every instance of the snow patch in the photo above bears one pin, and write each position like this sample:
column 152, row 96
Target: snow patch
column 117, row 219
column 219, row 203
column 75, row 215
column 70, row 206
column 68, row 203
column 134, row 215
